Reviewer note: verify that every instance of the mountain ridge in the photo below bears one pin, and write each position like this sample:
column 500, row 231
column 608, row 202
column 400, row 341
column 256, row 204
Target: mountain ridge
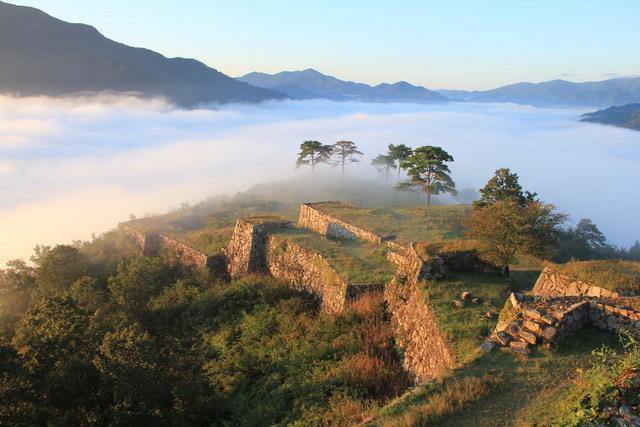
column 43, row 55
column 312, row 84
column 626, row 116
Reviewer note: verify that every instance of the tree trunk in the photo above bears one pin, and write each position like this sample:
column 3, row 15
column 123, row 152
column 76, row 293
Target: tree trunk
column 398, row 172
column 343, row 166
column 428, row 197
column 386, row 175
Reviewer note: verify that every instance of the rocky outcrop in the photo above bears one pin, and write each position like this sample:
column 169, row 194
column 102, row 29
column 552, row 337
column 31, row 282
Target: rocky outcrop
column 552, row 283
column 313, row 218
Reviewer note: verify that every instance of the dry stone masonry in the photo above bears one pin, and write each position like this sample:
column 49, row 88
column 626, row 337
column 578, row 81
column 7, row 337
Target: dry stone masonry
column 552, row 283
column 558, row 307
column 313, row 218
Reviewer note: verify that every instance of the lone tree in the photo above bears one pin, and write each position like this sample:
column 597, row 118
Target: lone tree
column 399, row 153
column 384, row 163
column 504, row 186
column 345, row 153
column 506, row 229
column 312, row 153
column 508, row 221
column 427, row 170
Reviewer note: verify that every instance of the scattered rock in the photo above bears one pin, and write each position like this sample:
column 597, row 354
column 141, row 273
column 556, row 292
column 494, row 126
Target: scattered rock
column 457, row 303
column 475, row 300
column 465, row 295
column 548, row 319
column 490, row 315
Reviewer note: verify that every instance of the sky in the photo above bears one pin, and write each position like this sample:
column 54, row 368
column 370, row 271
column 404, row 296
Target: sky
column 73, row 167
column 441, row 44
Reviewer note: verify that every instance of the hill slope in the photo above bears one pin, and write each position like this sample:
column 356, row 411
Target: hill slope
column 310, row 84
column 42, row 55
column 627, row 116
column 557, row 93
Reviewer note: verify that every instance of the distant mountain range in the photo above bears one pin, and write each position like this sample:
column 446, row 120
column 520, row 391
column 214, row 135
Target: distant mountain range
column 42, row 55
column 311, row 84
column 627, row 116
column 557, row 93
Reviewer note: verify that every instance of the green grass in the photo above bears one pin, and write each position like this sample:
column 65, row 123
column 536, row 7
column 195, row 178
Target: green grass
column 357, row 261
column 438, row 222
column 533, row 389
column 615, row 275
column 468, row 326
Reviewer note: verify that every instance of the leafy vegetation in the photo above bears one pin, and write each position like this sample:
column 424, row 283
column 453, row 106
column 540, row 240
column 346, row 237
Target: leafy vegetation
column 427, row 170
column 139, row 342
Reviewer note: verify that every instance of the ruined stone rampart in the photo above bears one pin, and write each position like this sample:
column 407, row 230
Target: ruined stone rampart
column 307, row 271
column 552, row 283
column 559, row 306
column 158, row 244
column 426, row 351
column 313, row 218
column 246, row 252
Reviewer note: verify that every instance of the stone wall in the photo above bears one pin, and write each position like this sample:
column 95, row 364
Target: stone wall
column 313, row 218
column 246, row 251
column 154, row 244
column 307, row 271
column 527, row 321
column 426, row 352
column 552, row 283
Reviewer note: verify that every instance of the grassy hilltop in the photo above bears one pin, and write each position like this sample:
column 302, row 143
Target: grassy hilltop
column 92, row 333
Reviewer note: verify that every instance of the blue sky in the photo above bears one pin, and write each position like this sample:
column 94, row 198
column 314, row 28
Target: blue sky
column 440, row 44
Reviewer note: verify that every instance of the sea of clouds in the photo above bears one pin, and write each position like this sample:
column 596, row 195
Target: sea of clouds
column 73, row 167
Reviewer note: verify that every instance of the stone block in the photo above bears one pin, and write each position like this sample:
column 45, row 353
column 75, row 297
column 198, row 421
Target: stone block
column 487, row 345
column 549, row 334
column 532, row 313
column 465, row 295
column 527, row 336
column 531, row 326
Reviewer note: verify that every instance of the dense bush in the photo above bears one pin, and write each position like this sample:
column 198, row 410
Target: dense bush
column 97, row 336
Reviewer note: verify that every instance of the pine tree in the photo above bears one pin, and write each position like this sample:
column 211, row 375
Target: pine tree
column 427, row 170
column 345, row 153
column 313, row 152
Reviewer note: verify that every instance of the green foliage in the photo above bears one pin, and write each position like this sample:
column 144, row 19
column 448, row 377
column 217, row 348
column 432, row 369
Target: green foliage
column 603, row 386
column 345, row 153
column 138, row 280
column 506, row 229
column 57, row 269
column 504, row 186
column 427, row 169
column 399, row 153
column 313, row 152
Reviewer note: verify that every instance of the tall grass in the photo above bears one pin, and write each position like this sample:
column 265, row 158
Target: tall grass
column 615, row 275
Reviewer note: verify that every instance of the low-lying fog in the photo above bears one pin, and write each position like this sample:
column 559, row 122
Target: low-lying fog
column 69, row 168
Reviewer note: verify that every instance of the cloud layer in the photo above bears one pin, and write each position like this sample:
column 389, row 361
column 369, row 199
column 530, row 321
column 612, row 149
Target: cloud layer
column 76, row 166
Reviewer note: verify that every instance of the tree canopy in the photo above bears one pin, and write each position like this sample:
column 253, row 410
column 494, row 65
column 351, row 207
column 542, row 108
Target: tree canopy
column 313, row 152
column 345, row 152
column 427, row 170
column 504, row 186
column 399, row 153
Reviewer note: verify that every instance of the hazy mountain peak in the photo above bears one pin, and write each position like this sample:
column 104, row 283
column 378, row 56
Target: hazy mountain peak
column 42, row 55
column 310, row 83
